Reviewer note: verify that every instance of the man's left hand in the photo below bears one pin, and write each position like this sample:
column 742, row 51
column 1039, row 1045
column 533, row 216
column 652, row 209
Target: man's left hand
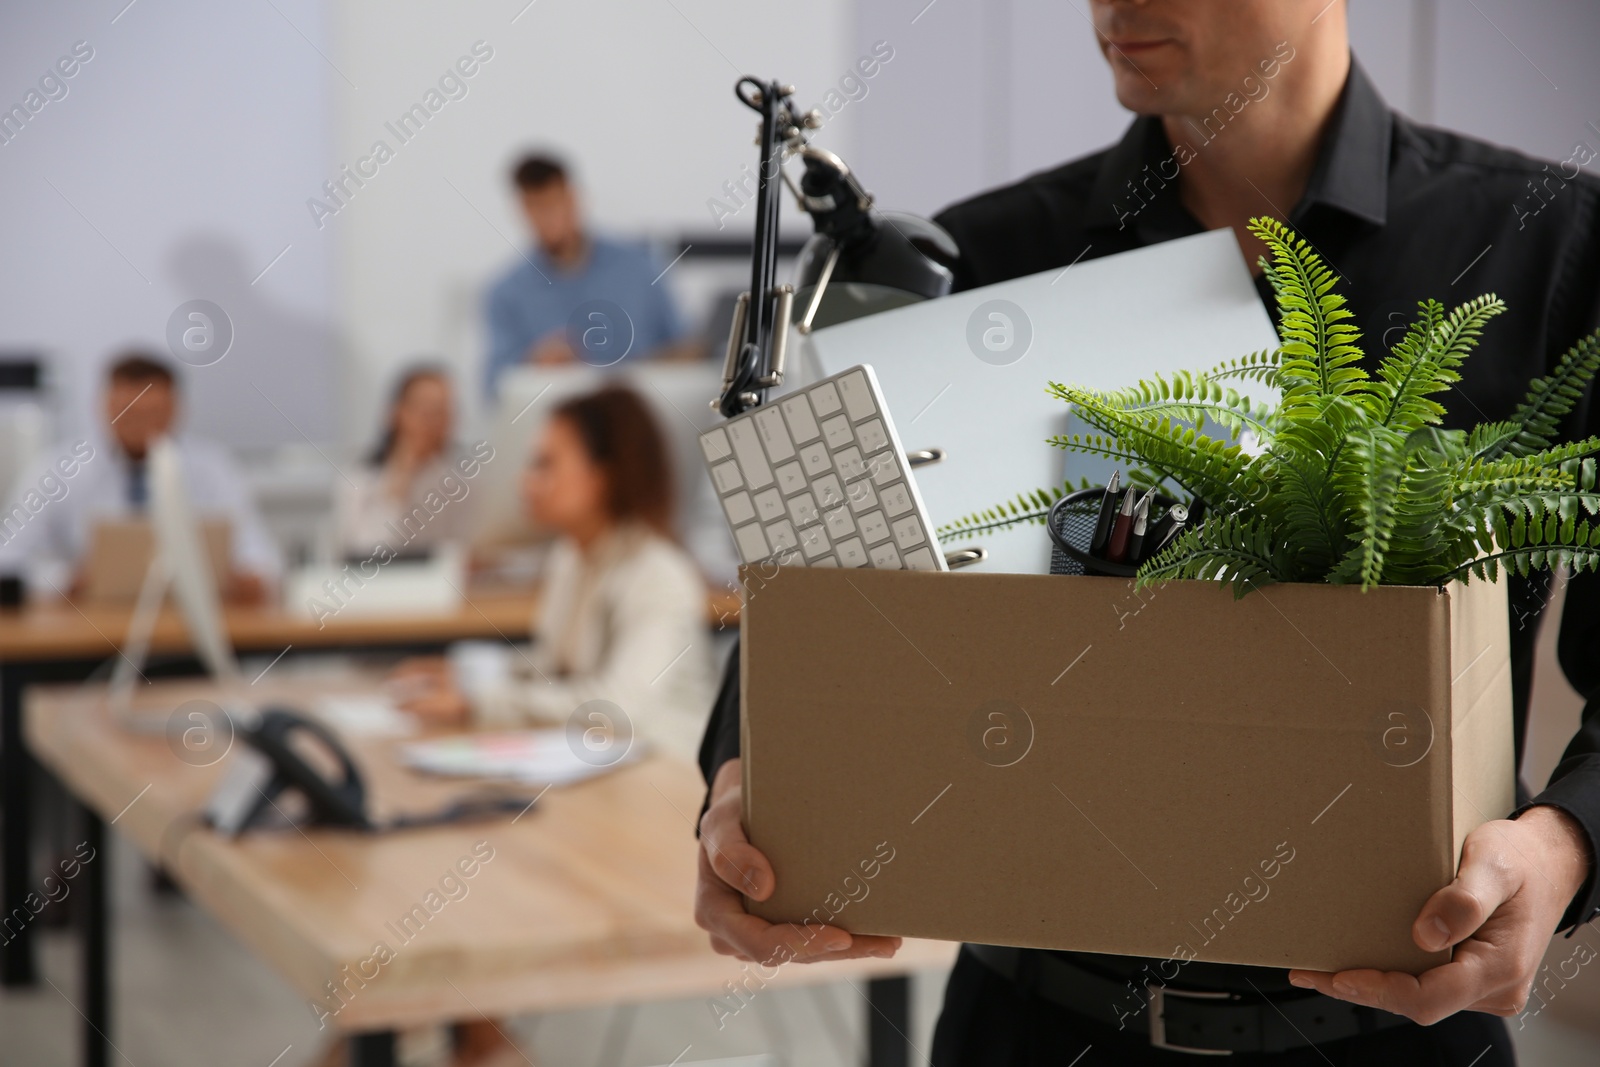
column 1517, row 878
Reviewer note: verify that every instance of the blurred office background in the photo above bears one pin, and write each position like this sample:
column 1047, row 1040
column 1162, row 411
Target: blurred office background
column 179, row 164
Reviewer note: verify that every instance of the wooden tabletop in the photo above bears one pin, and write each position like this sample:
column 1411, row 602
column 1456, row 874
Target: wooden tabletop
column 585, row 900
column 57, row 629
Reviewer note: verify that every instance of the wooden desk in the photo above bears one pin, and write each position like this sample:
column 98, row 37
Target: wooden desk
column 57, row 630
column 587, row 899
column 56, row 640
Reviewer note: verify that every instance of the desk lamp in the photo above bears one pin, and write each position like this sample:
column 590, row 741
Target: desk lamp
column 859, row 261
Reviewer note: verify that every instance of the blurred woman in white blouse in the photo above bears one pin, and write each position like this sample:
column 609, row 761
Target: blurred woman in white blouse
column 622, row 615
column 411, row 461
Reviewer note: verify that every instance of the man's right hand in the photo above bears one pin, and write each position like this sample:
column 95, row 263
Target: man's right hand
column 731, row 867
column 552, row 349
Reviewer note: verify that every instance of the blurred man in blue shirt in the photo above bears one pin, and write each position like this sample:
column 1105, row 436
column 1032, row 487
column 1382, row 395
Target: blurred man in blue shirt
column 576, row 298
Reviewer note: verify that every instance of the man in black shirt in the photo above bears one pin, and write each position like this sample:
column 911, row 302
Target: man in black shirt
column 1248, row 107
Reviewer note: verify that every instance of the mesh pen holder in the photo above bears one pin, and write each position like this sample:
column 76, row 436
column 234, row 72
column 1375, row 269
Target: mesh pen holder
column 1071, row 524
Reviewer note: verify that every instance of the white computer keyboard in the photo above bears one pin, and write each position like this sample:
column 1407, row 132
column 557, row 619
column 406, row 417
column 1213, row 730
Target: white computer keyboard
column 818, row 476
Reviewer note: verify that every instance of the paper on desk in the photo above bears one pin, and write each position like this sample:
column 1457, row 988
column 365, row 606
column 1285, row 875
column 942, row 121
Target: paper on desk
column 365, row 716
column 960, row 378
column 535, row 757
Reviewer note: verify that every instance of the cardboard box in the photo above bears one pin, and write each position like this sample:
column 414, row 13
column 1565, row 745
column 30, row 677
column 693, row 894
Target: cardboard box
column 1060, row 762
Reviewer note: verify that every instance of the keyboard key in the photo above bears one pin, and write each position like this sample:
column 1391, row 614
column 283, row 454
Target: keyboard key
column 825, row 561
column 830, row 494
column 774, row 434
column 908, row 532
column 752, row 543
column 739, row 508
column 852, row 553
column 872, row 436
column 857, row 395
column 803, row 510
column 896, row 501
column 781, row 535
column 814, row 540
column 825, row 398
column 802, row 424
column 862, row 498
column 920, row 560
column 747, row 449
column 815, row 458
column 885, row 557
column 874, row 527
column 837, row 432
column 769, row 505
column 727, row 476
column 790, row 479
column 848, row 460
column 715, row 444
column 839, row 523
column 884, row 469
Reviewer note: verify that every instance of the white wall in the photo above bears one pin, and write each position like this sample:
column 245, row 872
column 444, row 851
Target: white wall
column 638, row 94
column 171, row 171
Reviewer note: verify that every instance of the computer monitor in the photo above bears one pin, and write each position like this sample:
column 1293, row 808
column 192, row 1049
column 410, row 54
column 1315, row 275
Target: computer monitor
column 179, row 541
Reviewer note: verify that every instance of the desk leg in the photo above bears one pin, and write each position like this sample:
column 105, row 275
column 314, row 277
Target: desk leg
column 95, row 885
column 373, row 1050
column 889, row 1022
column 16, row 782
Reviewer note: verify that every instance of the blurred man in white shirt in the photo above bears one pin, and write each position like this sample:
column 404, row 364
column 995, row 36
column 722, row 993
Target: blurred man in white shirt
column 48, row 523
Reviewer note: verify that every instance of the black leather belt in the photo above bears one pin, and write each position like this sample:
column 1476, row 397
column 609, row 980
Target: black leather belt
column 1204, row 1022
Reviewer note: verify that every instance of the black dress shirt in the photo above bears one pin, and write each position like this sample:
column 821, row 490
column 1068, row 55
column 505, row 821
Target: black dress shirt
column 1401, row 212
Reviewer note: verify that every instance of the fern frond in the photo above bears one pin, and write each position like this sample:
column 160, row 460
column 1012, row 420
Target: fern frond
column 1375, row 465
column 1490, row 439
column 1428, row 360
column 1215, row 470
column 1023, row 508
column 1185, row 397
column 1224, row 547
column 1320, row 355
column 1306, row 501
column 1537, row 536
column 1537, row 420
column 1257, row 366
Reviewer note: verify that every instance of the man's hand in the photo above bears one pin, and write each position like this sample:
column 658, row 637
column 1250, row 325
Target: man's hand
column 552, row 348
column 1516, row 879
column 731, row 866
column 426, row 687
column 245, row 588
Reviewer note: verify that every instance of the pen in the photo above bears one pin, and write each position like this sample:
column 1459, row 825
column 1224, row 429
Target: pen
column 1117, row 543
column 1141, row 519
column 1102, row 522
column 1179, row 515
column 1159, row 529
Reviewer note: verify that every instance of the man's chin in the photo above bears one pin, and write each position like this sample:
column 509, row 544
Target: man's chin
column 1139, row 96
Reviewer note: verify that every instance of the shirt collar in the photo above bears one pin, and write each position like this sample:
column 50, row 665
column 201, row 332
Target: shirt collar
column 1351, row 173
column 1352, row 169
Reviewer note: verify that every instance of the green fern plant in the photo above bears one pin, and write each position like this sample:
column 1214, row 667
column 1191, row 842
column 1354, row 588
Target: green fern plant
column 1351, row 478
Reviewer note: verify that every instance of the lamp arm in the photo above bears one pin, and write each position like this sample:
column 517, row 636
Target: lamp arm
column 749, row 372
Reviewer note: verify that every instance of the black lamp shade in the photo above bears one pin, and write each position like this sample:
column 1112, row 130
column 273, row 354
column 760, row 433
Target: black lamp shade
column 903, row 259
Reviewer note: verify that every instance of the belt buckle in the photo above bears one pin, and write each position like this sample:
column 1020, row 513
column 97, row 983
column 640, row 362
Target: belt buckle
column 1156, row 1010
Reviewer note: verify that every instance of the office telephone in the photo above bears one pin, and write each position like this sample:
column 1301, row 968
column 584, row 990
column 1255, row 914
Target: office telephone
column 272, row 763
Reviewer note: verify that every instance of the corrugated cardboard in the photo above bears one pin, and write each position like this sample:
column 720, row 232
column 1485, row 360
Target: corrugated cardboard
column 1060, row 762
